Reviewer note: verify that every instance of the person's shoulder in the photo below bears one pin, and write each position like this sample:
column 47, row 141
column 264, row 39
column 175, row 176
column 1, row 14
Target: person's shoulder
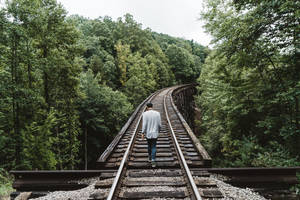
column 145, row 113
column 151, row 112
column 158, row 113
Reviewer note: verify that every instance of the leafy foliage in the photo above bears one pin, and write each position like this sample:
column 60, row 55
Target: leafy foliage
column 102, row 113
column 38, row 144
column 68, row 84
column 40, row 77
column 5, row 183
column 180, row 57
column 249, row 86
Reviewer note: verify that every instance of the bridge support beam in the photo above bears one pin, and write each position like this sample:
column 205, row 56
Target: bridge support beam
column 183, row 98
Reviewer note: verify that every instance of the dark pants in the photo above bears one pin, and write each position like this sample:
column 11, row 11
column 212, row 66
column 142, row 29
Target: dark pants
column 152, row 148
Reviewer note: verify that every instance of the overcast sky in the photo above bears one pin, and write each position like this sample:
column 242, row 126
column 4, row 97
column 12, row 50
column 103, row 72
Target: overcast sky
column 173, row 17
column 179, row 18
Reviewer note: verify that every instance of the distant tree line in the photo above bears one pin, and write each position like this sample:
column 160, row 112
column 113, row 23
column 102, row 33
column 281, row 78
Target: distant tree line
column 67, row 83
column 249, row 89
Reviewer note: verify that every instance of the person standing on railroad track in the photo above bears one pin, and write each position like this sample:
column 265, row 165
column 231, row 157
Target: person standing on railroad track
column 151, row 128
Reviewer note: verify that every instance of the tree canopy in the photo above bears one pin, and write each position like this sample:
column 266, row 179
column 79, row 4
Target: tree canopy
column 68, row 84
column 250, row 84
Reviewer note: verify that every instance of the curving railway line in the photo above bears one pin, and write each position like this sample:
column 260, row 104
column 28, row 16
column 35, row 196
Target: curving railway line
column 177, row 155
column 182, row 171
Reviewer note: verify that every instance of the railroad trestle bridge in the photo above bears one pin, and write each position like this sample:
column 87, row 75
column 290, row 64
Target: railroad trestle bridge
column 184, row 168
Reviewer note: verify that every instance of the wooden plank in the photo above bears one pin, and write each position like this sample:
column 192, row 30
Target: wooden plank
column 189, row 150
column 121, row 146
column 134, row 183
column 160, row 154
column 145, row 159
column 183, row 138
column 148, row 165
column 184, row 141
column 124, row 143
column 104, row 184
column 144, row 150
column 193, row 158
column 191, row 153
column 120, row 150
column 160, row 138
column 157, row 143
column 155, row 194
column 119, row 159
column 111, row 165
column 151, row 173
column 195, row 163
column 210, row 193
column 116, row 155
column 157, row 146
column 187, row 145
column 204, row 182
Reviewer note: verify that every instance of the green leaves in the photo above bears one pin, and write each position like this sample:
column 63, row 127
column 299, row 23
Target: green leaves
column 102, row 112
column 5, row 183
column 62, row 77
column 39, row 72
column 183, row 64
column 249, row 84
column 39, row 144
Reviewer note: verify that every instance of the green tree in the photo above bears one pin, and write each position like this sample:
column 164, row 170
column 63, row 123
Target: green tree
column 40, row 57
column 38, row 143
column 141, row 81
column 123, row 52
column 46, row 105
column 102, row 113
column 183, row 64
column 250, row 84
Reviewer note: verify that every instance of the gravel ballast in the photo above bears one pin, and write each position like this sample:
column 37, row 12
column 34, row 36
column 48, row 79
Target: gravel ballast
column 234, row 193
column 229, row 192
column 81, row 194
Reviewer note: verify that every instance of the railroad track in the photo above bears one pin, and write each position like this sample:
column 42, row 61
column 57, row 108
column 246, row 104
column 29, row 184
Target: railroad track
column 176, row 155
column 182, row 172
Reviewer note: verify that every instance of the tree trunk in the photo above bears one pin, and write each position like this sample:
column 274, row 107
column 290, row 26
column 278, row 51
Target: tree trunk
column 58, row 150
column 15, row 105
column 46, row 90
column 29, row 66
column 85, row 148
column 46, row 79
column 297, row 113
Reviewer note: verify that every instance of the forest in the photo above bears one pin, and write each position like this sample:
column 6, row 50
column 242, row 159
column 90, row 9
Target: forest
column 69, row 83
column 249, row 87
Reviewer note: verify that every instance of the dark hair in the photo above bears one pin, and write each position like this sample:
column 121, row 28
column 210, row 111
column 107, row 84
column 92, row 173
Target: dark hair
column 149, row 105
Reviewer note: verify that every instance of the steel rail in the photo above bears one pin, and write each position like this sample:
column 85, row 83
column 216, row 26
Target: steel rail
column 186, row 168
column 126, row 154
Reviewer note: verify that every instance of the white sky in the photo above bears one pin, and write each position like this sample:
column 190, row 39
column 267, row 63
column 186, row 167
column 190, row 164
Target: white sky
column 179, row 18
